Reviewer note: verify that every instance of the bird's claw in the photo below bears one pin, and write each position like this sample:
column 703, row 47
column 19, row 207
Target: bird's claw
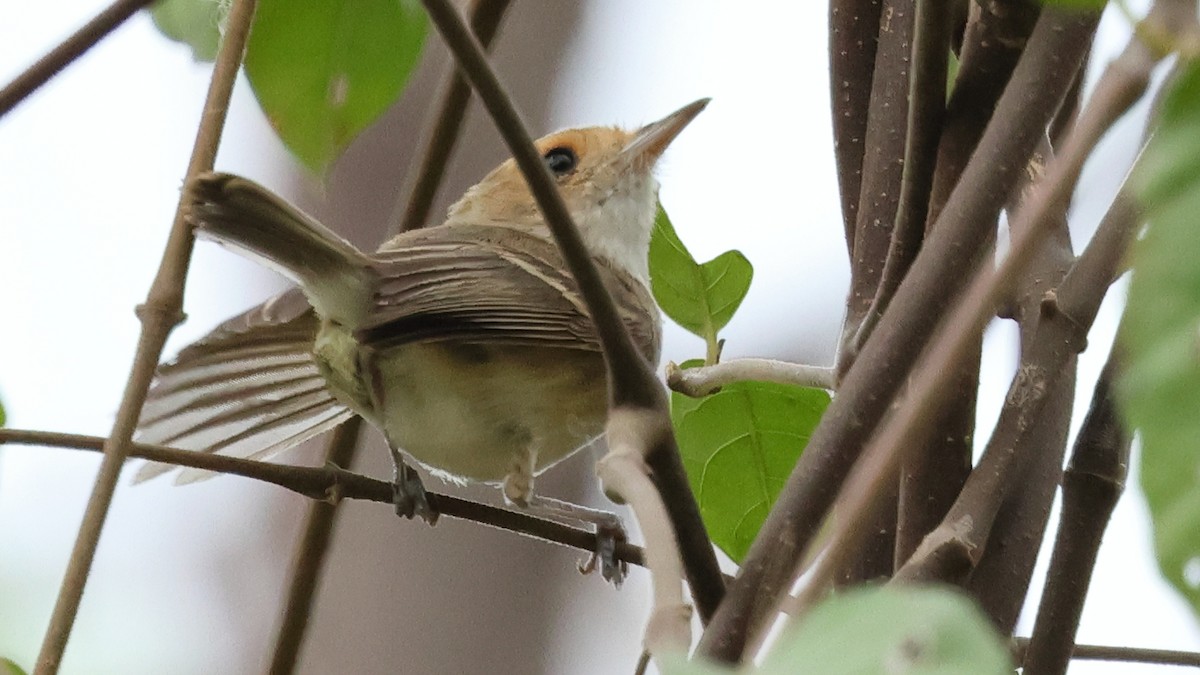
column 410, row 498
column 604, row 558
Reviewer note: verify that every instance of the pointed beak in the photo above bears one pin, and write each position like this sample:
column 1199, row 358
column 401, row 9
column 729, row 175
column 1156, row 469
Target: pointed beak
column 651, row 140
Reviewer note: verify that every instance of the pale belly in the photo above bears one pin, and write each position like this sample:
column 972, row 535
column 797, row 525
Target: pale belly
column 470, row 412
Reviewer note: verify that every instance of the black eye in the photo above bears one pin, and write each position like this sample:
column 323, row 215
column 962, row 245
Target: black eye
column 561, row 161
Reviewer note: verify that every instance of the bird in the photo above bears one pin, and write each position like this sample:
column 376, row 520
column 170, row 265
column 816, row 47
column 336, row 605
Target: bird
column 467, row 343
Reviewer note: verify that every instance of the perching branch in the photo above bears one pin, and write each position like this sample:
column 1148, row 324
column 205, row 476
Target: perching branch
column 1166, row 657
column 66, row 52
column 1092, row 484
column 485, row 18
column 705, row 380
column 331, row 483
column 632, row 382
column 864, row 395
column 161, row 312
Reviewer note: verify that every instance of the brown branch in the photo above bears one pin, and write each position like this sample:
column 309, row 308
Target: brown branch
column 853, row 40
column 1092, row 484
column 1000, row 580
column 159, row 314
column 1039, row 83
column 951, row 341
column 485, row 18
column 931, row 480
column 1065, row 316
column 632, row 381
column 331, row 482
column 882, row 175
column 66, row 52
column 1166, row 657
column 309, row 560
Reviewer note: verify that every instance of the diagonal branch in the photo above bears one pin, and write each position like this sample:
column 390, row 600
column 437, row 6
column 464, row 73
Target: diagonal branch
column 485, row 18
column 632, row 382
column 331, row 482
column 66, row 52
column 161, row 312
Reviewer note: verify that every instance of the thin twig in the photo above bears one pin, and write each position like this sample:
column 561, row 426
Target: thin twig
column 308, row 561
column 66, row 52
column 1166, row 657
column 161, row 312
column 632, row 381
column 447, row 121
column 1125, row 84
column 702, row 381
column 865, row 394
column 1092, row 484
column 330, row 482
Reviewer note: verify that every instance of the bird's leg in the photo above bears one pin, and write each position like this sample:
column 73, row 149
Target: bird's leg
column 518, row 491
column 408, row 493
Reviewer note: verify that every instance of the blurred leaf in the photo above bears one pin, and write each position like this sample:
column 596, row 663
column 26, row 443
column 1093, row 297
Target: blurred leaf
column 195, row 23
column 1160, row 388
column 3, row 415
column 7, row 667
column 739, row 446
column 884, row 630
column 699, row 297
column 325, row 69
column 679, row 664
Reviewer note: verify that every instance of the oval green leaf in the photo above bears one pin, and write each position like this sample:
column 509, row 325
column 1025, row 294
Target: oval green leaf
column 7, row 667
column 326, row 69
column 904, row 629
column 1160, row 386
column 195, row 23
column 739, row 446
column 701, row 298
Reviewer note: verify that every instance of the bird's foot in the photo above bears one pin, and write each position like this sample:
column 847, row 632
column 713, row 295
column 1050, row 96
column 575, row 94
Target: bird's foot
column 409, row 495
column 604, row 558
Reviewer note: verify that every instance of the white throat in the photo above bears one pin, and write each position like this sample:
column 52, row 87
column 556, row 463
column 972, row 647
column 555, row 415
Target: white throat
column 618, row 227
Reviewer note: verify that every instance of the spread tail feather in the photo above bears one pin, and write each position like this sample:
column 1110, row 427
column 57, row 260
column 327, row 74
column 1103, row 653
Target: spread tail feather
column 249, row 389
column 334, row 275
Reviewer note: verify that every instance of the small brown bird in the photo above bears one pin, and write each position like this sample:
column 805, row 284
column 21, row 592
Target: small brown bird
column 468, row 343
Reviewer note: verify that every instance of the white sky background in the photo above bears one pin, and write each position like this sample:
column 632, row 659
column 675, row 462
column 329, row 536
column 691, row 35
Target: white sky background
column 79, row 248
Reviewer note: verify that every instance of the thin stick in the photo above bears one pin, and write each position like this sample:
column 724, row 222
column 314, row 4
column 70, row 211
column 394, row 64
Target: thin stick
column 66, row 52
column 631, row 380
column 707, row 379
column 485, row 18
column 160, row 313
column 1166, row 657
column 333, row 483
column 308, row 562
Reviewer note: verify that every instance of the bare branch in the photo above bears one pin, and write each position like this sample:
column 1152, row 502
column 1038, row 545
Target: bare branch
column 159, row 314
column 308, row 561
column 1123, row 84
column 864, row 395
column 331, row 482
column 705, row 380
column 485, row 18
column 1092, row 484
column 853, row 40
column 1166, row 657
column 632, row 382
column 66, row 52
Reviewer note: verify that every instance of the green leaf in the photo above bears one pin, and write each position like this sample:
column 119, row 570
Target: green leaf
column 7, row 667
column 195, row 23
column 323, row 70
column 886, row 629
column 739, row 446
column 1094, row 5
column 1160, row 386
column 3, row 415
column 699, row 297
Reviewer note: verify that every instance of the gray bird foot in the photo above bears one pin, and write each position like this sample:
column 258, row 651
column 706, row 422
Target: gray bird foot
column 409, row 496
column 604, row 558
